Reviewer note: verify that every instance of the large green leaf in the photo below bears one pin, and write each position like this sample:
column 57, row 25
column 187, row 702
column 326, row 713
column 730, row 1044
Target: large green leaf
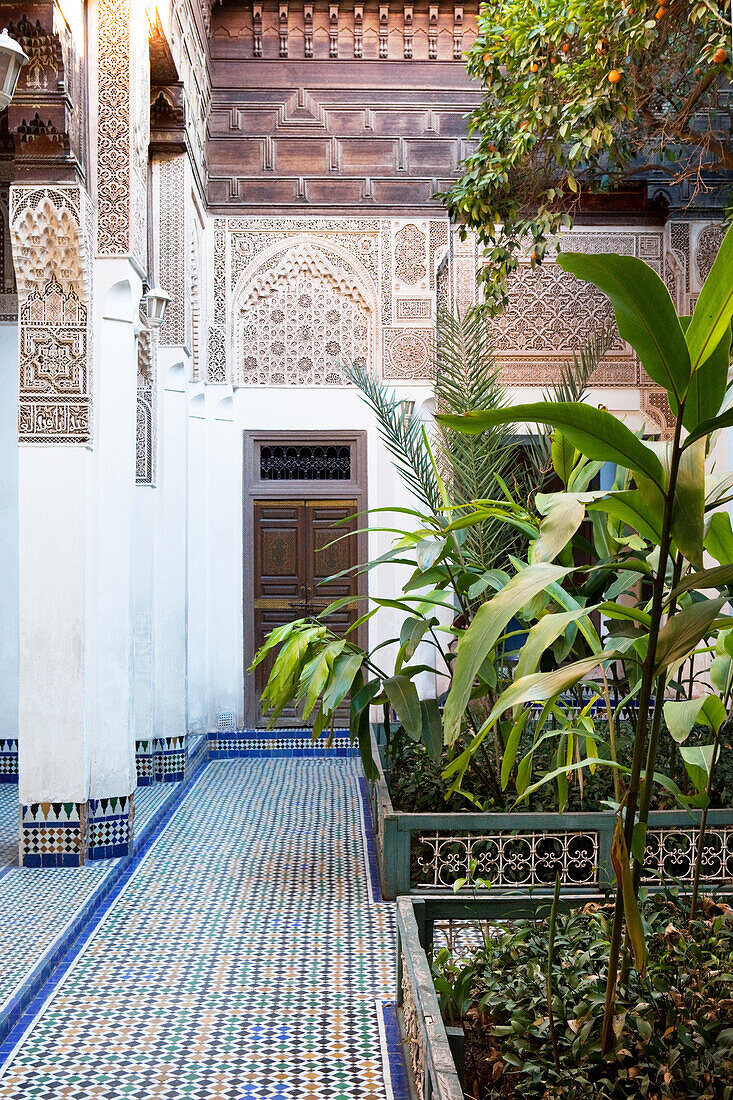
column 719, row 539
column 683, row 714
column 596, row 433
column 698, row 761
column 539, row 686
column 542, row 635
column 689, row 503
column 644, row 311
column 707, row 385
column 481, row 637
column 432, row 728
column 631, row 508
column 680, row 634
column 402, row 694
column 563, row 515
column 716, row 424
column 721, row 576
column 714, row 307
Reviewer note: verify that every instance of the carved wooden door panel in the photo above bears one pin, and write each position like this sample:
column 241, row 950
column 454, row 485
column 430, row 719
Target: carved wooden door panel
column 294, row 554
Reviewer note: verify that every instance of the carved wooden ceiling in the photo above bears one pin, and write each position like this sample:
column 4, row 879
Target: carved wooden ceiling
column 324, row 107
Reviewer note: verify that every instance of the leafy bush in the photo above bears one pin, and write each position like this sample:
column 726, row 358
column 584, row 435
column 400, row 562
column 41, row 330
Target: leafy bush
column 417, row 783
column 673, row 1028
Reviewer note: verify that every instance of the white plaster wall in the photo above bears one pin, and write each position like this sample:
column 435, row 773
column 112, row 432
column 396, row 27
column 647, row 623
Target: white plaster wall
column 341, row 409
column 143, row 597
column 171, row 557
column 224, row 608
column 112, row 752
column 198, row 507
column 9, row 530
column 55, row 486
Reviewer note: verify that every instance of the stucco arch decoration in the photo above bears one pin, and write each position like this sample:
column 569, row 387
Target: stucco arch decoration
column 299, row 311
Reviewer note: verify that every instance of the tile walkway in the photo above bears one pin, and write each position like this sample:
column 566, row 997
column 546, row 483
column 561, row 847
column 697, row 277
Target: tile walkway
column 244, row 957
column 39, row 905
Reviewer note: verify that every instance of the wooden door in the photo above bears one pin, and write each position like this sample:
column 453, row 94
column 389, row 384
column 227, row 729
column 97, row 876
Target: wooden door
column 294, row 557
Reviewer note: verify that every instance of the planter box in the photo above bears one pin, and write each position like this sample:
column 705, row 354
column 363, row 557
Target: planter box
column 428, row 1044
column 421, row 853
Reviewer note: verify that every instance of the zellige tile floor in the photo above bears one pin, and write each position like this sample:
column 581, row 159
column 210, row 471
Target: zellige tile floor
column 245, row 957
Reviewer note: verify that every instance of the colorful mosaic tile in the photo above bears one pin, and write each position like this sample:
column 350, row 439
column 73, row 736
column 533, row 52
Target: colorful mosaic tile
column 245, row 958
column 280, row 742
column 42, row 911
column 8, row 760
column 109, row 827
column 145, row 762
column 170, row 759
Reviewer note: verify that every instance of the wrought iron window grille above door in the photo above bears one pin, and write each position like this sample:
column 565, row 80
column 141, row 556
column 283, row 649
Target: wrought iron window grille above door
column 282, row 462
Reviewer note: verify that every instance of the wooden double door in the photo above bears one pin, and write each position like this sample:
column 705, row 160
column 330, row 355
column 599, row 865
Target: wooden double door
column 295, row 554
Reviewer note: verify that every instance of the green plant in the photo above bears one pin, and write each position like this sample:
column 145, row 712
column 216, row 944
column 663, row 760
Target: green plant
column 673, row 1028
column 586, row 96
column 664, row 513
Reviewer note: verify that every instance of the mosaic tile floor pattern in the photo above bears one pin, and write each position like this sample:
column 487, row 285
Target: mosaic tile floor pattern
column 38, row 904
column 243, row 959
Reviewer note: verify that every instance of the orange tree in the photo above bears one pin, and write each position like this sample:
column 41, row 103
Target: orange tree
column 583, row 96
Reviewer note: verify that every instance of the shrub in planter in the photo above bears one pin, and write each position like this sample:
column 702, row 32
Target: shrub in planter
column 532, row 1030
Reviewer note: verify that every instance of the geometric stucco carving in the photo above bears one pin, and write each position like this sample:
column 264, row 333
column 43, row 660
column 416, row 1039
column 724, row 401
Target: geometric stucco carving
column 146, row 432
column 378, row 272
column 297, row 321
column 51, row 231
column 123, row 129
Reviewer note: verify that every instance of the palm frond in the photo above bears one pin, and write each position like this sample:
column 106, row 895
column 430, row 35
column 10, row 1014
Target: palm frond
column 572, row 385
column 476, row 466
column 402, row 436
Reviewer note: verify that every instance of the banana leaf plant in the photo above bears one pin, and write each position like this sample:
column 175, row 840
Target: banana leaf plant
column 651, row 533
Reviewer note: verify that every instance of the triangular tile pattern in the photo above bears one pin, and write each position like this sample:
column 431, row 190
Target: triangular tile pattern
column 8, row 760
column 243, row 960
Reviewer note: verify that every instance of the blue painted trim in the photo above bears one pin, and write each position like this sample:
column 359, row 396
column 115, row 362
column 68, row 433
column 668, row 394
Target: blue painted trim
column 395, row 1052
column 366, row 814
column 39, row 984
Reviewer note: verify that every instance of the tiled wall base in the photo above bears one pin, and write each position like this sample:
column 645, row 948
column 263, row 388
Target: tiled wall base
column 293, row 742
column 110, row 826
column 68, row 834
column 8, row 760
column 162, row 760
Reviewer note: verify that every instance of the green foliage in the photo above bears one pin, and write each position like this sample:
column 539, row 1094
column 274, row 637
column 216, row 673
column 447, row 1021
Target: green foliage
column 581, row 96
column 673, row 1030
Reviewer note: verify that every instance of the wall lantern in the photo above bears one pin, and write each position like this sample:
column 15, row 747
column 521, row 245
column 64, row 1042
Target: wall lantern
column 12, row 60
column 156, row 303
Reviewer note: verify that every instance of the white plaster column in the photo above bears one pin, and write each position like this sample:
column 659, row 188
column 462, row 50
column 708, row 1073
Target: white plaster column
column 197, row 526
column 9, row 541
column 224, row 606
column 171, row 550
column 112, row 760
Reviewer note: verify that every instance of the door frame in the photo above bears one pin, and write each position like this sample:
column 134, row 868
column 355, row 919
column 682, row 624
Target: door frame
column 254, row 488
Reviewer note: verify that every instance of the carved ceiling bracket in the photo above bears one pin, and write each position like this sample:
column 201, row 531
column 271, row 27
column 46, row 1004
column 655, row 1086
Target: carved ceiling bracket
column 41, row 117
column 167, row 119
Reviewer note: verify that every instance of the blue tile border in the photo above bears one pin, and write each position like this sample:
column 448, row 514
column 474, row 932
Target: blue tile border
column 366, row 814
column 41, row 981
column 394, row 1051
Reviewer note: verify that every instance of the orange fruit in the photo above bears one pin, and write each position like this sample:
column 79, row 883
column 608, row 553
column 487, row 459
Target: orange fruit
column 524, row 126
column 661, row 12
column 533, row 256
column 534, row 67
column 565, row 47
column 720, row 56
column 487, row 58
column 614, row 76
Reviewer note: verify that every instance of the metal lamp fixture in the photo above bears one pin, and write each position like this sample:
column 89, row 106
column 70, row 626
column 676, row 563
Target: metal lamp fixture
column 156, row 301
column 12, row 60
